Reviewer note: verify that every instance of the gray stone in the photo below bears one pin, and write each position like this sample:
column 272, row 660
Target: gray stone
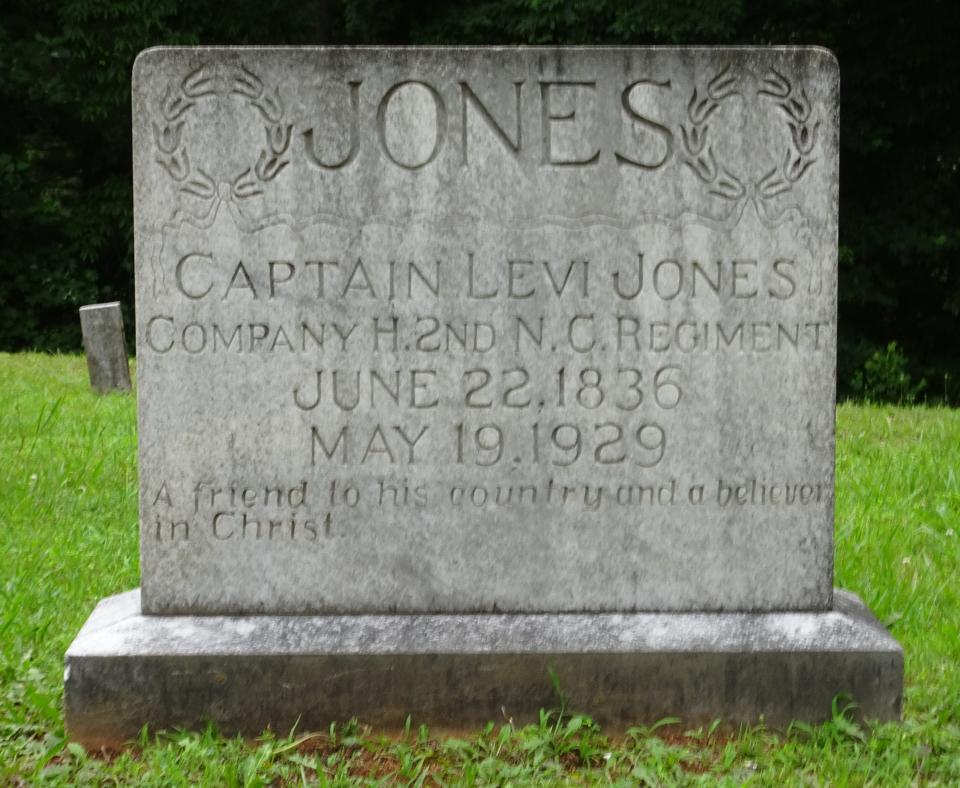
column 395, row 352
column 105, row 347
column 460, row 366
column 126, row 670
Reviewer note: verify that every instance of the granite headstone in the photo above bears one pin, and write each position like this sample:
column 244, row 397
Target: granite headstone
column 105, row 347
column 455, row 338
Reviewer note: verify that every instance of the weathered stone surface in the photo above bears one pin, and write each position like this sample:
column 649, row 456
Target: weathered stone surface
column 454, row 330
column 105, row 347
column 467, row 365
column 126, row 670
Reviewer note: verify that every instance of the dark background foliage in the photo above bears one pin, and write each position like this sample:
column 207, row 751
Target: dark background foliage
column 65, row 201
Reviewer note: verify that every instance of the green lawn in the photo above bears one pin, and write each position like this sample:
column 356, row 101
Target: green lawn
column 68, row 536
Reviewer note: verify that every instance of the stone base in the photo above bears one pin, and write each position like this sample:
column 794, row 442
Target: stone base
column 126, row 670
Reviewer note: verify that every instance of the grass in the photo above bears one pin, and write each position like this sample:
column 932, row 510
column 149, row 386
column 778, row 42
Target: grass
column 68, row 536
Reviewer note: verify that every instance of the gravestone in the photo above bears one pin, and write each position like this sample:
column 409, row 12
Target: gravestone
column 460, row 367
column 105, row 347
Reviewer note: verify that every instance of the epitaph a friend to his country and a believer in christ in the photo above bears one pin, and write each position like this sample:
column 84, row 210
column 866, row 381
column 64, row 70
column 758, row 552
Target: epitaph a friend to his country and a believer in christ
column 457, row 366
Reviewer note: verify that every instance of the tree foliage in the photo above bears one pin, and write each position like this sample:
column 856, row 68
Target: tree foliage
column 65, row 194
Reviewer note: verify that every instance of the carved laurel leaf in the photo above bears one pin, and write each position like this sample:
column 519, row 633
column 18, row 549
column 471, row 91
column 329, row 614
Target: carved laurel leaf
column 720, row 180
column 695, row 133
column 202, row 82
column 796, row 105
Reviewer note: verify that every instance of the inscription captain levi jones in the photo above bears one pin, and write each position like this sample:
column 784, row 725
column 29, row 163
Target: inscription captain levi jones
column 526, row 330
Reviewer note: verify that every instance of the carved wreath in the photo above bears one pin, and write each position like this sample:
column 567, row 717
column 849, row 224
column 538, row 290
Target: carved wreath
column 204, row 82
column 718, row 178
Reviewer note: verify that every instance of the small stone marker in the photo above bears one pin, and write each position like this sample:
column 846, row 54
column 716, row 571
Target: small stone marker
column 459, row 366
column 105, row 347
